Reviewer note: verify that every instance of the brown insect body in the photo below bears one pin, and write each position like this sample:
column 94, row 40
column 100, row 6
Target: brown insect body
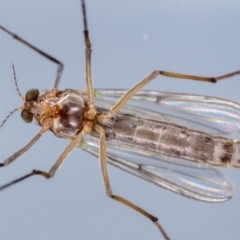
column 71, row 114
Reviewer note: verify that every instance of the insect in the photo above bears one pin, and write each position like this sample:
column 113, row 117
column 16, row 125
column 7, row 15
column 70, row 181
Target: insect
column 54, row 105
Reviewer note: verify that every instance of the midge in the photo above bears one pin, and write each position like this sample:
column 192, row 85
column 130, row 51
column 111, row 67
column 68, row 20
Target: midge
column 149, row 144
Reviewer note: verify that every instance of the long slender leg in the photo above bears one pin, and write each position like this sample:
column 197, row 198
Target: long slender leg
column 106, row 180
column 125, row 98
column 65, row 153
column 25, row 148
column 103, row 157
column 49, row 57
column 88, row 57
column 55, row 167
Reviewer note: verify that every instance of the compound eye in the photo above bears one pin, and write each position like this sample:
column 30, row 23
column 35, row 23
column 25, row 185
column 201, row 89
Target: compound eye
column 32, row 95
column 26, row 116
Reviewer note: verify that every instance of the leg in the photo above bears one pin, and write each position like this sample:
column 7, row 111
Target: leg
column 103, row 163
column 49, row 57
column 25, row 148
column 88, row 57
column 125, row 98
column 55, row 167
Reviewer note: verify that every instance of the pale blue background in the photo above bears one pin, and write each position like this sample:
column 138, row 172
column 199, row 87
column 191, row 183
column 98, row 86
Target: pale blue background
column 195, row 37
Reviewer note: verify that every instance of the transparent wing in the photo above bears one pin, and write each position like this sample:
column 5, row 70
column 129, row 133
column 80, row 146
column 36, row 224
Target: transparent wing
column 209, row 114
column 194, row 180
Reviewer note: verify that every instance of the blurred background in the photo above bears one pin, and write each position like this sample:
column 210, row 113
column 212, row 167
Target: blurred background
column 130, row 39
